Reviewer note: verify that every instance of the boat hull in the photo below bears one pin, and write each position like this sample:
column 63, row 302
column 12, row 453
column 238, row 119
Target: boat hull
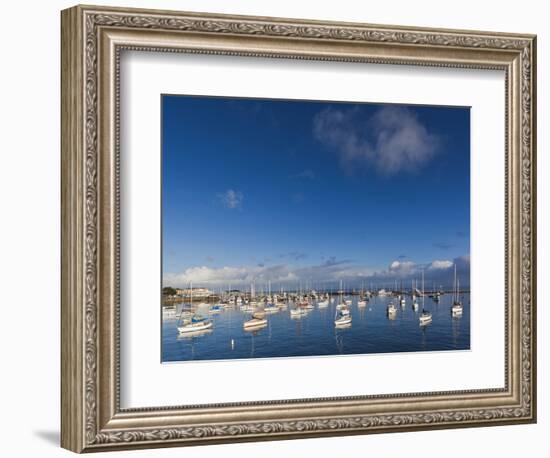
column 194, row 327
column 255, row 323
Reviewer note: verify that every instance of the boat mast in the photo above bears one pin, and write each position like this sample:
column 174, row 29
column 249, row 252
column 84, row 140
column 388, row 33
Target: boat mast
column 455, row 292
column 423, row 290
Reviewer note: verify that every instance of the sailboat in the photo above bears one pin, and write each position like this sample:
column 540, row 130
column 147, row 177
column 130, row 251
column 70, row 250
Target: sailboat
column 323, row 304
column 258, row 320
column 195, row 323
column 362, row 302
column 414, row 301
column 270, row 306
column 255, row 323
column 341, row 305
column 425, row 317
column 456, row 309
column 392, row 310
column 342, row 317
column 298, row 312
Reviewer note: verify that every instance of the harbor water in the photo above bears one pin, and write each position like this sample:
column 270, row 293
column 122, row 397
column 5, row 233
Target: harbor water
column 314, row 334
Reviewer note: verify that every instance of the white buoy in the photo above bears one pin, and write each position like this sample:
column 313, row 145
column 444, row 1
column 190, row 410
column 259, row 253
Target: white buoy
column 232, row 344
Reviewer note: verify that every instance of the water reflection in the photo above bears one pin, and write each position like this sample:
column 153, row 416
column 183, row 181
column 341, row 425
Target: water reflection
column 194, row 334
column 372, row 330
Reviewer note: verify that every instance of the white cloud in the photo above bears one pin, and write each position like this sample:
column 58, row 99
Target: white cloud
column 242, row 275
column 329, row 272
column 441, row 264
column 392, row 139
column 402, row 267
column 231, row 198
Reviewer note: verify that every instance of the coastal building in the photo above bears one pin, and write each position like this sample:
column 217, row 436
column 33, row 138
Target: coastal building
column 197, row 292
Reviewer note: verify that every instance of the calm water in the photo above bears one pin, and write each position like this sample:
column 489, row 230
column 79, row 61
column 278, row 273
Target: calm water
column 371, row 331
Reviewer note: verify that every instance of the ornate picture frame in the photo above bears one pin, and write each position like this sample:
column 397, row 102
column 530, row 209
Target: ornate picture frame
column 92, row 40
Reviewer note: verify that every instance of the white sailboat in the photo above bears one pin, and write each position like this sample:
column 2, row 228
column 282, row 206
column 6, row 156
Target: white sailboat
column 362, row 302
column 342, row 318
column 255, row 323
column 298, row 312
column 456, row 309
column 323, row 304
column 195, row 322
column 258, row 320
column 425, row 317
column 341, row 305
column 271, row 308
column 414, row 301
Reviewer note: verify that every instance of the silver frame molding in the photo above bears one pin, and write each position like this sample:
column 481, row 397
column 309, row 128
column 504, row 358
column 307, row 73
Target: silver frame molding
column 92, row 40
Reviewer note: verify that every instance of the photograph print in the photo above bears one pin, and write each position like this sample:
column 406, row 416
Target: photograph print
column 302, row 228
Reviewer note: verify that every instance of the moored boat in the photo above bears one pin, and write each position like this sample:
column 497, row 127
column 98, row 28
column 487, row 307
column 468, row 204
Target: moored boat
column 298, row 312
column 271, row 308
column 255, row 323
column 323, row 304
column 456, row 309
column 426, row 316
column 194, row 324
column 342, row 318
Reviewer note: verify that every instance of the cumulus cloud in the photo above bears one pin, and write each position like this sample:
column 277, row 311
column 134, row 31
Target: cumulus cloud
column 441, row 264
column 231, row 198
column 244, row 275
column 328, row 273
column 392, row 139
column 439, row 271
column 401, row 268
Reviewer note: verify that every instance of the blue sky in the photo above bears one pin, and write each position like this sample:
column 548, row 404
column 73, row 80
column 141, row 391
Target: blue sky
column 306, row 191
